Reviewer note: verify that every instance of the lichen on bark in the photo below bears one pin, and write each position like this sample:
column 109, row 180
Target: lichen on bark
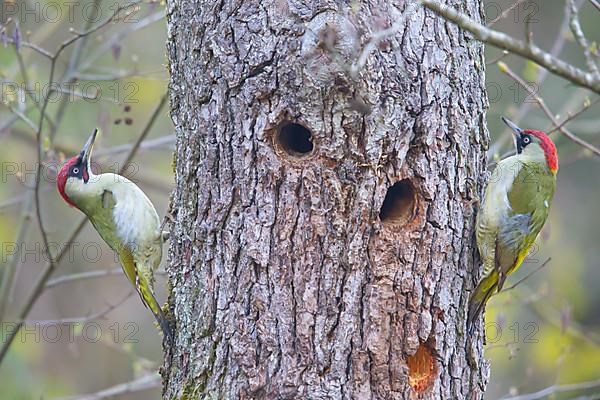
column 286, row 282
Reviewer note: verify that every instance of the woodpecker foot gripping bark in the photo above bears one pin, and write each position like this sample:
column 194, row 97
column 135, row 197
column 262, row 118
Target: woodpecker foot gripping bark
column 168, row 219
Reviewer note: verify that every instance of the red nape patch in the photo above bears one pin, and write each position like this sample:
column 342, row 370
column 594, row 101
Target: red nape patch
column 549, row 148
column 61, row 180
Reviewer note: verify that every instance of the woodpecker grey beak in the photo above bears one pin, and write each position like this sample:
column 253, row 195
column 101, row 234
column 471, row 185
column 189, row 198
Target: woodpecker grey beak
column 512, row 126
column 86, row 152
column 516, row 132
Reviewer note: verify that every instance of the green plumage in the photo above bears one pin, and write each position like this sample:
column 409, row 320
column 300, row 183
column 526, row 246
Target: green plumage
column 124, row 217
column 514, row 210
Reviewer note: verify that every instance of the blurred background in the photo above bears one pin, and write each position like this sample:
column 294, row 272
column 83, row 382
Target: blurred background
column 89, row 333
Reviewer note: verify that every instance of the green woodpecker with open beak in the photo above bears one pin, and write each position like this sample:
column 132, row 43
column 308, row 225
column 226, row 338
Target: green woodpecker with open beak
column 514, row 210
column 123, row 216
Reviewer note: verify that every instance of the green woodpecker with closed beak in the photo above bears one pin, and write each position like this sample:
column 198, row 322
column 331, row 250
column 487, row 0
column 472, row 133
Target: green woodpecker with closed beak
column 123, row 216
column 514, row 210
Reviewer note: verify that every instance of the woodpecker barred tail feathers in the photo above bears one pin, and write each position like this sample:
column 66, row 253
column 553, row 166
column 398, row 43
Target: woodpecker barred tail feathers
column 125, row 219
column 514, row 210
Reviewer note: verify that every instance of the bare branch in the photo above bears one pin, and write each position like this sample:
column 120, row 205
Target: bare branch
column 145, row 145
column 580, row 37
column 37, row 290
column 503, row 41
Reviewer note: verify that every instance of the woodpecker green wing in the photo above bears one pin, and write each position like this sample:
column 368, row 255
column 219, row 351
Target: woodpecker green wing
column 100, row 212
column 529, row 198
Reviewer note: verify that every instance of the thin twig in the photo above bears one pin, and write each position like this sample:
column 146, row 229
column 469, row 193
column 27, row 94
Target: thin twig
column 505, row 12
column 580, row 37
column 26, row 82
column 162, row 142
column 23, row 117
column 499, row 58
column 9, row 274
column 71, row 66
column 82, row 276
column 118, row 37
column 145, row 145
column 529, row 275
column 549, row 314
column 120, row 74
column 574, row 115
column 145, row 382
column 570, row 387
column 504, row 68
column 81, row 320
column 503, row 41
column 528, row 32
column 87, row 275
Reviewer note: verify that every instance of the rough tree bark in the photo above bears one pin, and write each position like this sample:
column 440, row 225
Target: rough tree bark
column 323, row 226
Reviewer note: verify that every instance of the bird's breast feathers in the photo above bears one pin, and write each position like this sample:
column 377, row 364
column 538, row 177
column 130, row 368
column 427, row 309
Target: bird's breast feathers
column 119, row 210
column 134, row 216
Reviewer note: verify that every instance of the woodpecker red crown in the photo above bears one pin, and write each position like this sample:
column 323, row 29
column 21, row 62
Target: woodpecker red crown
column 61, row 179
column 548, row 146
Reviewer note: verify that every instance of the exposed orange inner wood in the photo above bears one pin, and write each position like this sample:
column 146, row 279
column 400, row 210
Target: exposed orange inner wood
column 421, row 369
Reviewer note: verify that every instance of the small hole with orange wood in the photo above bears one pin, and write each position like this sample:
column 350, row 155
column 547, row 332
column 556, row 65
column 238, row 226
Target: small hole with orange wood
column 422, row 369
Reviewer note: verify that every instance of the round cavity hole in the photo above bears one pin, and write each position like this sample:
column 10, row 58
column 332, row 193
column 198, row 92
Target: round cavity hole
column 399, row 203
column 421, row 369
column 295, row 139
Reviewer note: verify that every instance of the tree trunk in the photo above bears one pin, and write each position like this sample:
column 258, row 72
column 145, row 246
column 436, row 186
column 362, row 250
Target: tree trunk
column 322, row 244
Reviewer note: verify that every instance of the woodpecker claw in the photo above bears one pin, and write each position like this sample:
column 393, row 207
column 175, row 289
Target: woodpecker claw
column 474, row 202
column 167, row 219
